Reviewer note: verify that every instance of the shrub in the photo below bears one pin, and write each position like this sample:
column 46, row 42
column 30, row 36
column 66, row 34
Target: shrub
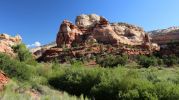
column 108, row 86
column 75, row 81
column 112, row 61
column 146, row 62
column 122, row 60
column 77, row 63
column 170, row 92
column 55, row 64
column 160, row 62
column 170, row 60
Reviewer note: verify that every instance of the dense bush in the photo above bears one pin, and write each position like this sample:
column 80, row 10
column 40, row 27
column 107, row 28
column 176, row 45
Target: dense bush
column 142, row 60
column 24, row 71
column 112, row 61
column 170, row 60
column 119, row 83
column 77, row 81
column 15, row 69
column 146, row 61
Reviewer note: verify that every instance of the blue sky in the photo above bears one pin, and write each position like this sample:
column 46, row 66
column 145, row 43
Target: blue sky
column 39, row 20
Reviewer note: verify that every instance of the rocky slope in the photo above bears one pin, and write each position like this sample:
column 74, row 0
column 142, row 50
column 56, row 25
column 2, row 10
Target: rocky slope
column 6, row 42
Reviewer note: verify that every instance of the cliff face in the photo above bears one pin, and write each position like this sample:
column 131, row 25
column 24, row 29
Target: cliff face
column 99, row 29
column 168, row 39
column 6, row 42
column 165, row 36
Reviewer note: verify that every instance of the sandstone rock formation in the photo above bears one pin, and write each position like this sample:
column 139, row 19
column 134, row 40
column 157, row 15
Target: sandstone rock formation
column 68, row 34
column 101, row 30
column 165, row 35
column 168, row 39
column 38, row 51
column 95, row 35
column 6, row 42
column 87, row 21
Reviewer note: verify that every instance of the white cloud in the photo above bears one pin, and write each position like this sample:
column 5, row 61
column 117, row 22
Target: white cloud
column 35, row 44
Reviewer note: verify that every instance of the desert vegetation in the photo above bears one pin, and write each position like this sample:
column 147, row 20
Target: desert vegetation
column 114, row 77
column 28, row 78
column 119, row 83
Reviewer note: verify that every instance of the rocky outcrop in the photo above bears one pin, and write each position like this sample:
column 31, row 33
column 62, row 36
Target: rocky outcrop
column 90, row 51
column 97, row 28
column 68, row 34
column 6, row 42
column 168, row 39
column 165, row 36
column 38, row 51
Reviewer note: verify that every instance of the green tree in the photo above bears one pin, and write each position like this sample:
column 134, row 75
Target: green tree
column 23, row 54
